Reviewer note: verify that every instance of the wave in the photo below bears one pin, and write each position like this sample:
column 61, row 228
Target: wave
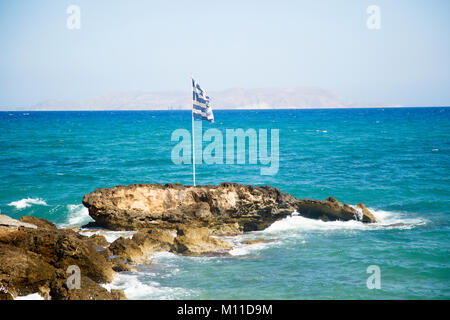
column 148, row 282
column 387, row 220
column 78, row 215
column 28, row 202
column 395, row 220
column 137, row 286
column 298, row 227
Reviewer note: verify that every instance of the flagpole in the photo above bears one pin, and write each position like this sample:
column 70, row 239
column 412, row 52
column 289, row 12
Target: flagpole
column 193, row 143
column 193, row 149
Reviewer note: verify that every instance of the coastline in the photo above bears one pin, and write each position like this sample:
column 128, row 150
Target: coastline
column 36, row 245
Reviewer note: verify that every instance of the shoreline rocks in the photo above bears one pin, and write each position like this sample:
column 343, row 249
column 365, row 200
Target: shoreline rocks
column 36, row 260
column 35, row 254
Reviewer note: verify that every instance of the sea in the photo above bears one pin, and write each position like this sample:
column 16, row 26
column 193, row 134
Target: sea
column 394, row 160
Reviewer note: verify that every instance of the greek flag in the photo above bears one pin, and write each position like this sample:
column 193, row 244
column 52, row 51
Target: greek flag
column 200, row 103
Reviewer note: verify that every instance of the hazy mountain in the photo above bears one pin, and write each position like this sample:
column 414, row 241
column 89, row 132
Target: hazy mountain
column 236, row 98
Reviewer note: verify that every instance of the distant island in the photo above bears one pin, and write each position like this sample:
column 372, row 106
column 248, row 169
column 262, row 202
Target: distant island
column 235, row 98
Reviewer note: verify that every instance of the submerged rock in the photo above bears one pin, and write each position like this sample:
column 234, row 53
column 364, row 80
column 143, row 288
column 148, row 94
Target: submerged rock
column 255, row 241
column 240, row 208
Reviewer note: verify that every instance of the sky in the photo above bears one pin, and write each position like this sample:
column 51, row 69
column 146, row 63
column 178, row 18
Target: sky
column 149, row 45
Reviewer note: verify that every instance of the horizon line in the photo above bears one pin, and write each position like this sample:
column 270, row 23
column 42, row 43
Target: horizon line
column 226, row 109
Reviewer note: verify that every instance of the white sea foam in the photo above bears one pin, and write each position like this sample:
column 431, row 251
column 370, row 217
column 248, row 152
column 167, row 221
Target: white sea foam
column 387, row 220
column 78, row 215
column 137, row 286
column 359, row 212
column 296, row 226
column 145, row 283
column 33, row 296
column 109, row 235
column 394, row 220
column 28, row 202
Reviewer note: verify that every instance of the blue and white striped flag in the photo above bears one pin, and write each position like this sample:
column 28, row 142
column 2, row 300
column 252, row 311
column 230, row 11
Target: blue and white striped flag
column 200, row 103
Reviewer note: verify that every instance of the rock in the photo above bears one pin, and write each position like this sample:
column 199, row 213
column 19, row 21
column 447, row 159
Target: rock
column 23, row 272
column 40, row 223
column 255, row 241
column 36, row 260
column 153, row 240
column 122, row 266
column 99, row 240
column 127, row 250
column 367, row 216
column 142, row 245
column 196, row 241
column 62, row 248
column 9, row 222
column 75, row 229
column 329, row 210
column 118, row 294
column 142, row 206
column 5, row 296
column 89, row 290
column 186, row 240
column 227, row 229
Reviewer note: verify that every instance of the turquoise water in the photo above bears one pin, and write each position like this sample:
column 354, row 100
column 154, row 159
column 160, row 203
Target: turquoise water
column 396, row 161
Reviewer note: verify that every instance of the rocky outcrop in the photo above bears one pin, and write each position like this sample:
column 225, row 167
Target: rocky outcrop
column 193, row 241
column 35, row 255
column 142, row 206
column 240, row 208
column 330, row 210
column 196, row 241
column 36, row 260
column 23, row 272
